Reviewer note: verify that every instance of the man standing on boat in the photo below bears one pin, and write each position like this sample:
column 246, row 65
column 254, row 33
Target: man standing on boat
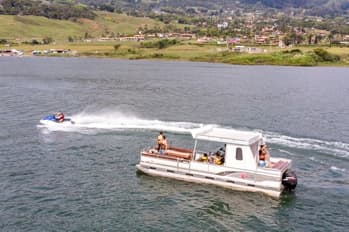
column 160, row 140
column 163, row 146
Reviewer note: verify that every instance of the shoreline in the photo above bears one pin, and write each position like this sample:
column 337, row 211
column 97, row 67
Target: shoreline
column 337, row 65
column 193, row 52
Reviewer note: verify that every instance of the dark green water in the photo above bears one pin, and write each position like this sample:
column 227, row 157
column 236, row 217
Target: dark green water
column 83, row 177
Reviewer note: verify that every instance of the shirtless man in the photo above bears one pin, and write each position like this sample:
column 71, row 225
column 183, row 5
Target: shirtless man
column 160, row 140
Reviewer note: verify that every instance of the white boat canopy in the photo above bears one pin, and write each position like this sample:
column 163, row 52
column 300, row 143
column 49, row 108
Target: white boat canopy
column 230, row 136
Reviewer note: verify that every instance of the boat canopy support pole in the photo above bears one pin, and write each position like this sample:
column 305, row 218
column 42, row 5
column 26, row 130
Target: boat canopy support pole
column 194, row 150
column 193, row 154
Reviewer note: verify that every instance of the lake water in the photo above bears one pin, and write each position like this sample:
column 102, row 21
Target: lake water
column 83, row 177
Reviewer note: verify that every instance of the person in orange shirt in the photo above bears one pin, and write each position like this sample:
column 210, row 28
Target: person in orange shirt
column 264, row 157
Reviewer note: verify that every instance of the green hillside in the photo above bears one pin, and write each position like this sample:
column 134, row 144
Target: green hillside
column 304, row 7
column 29, row 27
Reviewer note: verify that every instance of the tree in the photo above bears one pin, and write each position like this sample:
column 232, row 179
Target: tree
column 49, row 9
column 47, row 40
column 87, row 35
column 3, row 41
column 70, row 39
column 331, row 37
column 116, row 47
column 35, row 42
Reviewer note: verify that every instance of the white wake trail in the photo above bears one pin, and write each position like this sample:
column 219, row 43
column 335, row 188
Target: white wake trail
column 87, row 122
column 335, row 148
column 121, row 121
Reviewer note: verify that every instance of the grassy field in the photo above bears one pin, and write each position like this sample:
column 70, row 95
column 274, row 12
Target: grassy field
column 32, row 27
column 26, row 28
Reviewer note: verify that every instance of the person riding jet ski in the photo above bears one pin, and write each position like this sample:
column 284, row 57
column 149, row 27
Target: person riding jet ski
column 59, row 116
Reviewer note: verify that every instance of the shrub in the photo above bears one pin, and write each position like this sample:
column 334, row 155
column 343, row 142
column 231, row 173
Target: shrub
column 116, row 47
column 3, row 41
column 131, row 51
column 296, row 51
column 160, row 44
column 293, row 51
column 47, row 40
column 323, row 55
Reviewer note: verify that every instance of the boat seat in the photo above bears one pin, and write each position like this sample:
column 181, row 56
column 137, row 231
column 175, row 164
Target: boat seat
column 171, row 153
column 178, row 154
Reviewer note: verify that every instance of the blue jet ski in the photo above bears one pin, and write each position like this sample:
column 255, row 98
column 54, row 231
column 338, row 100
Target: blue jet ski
column 56, row 118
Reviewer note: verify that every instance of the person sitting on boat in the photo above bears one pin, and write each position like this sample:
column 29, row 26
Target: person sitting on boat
column 204, row 158
column 163, row 145
column 221, row 151
column 264, row 157
column 59, row 116
column 218, row 159
column 159, row 140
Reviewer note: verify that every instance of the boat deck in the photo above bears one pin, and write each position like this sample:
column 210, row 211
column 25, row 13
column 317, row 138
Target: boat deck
column 175, row 153
column 280, row 165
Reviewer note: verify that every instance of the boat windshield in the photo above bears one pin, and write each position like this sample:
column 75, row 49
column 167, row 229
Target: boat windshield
column 210, row 151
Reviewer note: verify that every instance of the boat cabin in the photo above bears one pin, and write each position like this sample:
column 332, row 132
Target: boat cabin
column 239, row 148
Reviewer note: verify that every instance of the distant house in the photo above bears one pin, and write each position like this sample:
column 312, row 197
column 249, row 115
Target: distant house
column 220, row 42
column 181, row 35
column 255, row 50
column 130, row 38
column 281, row 44
column 261, row 39
column 235, row 40
column 187, row 36
column 345, row 40
column 204, row 39
column 102, row 39
column 239, row 49
column 161, row 35
column 223, row 25
column 247, row 49
column 11, row 52
column 52, row 51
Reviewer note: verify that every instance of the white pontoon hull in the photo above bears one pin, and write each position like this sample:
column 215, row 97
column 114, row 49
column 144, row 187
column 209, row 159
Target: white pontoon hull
column 202, row 180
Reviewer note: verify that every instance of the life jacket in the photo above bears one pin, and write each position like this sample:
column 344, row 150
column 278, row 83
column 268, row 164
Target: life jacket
column 262, row 156
column 59, row 117
column 218, row 160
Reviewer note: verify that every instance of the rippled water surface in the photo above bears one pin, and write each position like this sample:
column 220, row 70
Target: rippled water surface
column 82, row 177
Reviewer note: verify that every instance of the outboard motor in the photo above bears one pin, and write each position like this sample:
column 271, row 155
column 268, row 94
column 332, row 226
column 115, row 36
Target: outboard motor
column 289, row 180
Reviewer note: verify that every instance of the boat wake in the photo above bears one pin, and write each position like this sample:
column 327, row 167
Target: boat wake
column 94, row 122
column 84, row 122
column 338, row 149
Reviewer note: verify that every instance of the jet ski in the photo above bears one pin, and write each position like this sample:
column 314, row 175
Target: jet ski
column 58, row 118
